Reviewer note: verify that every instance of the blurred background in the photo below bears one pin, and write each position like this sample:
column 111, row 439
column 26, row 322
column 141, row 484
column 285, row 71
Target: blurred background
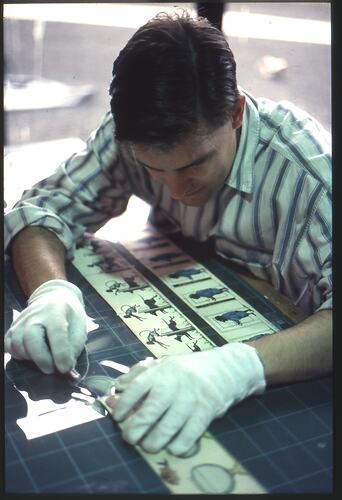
column 58, row 60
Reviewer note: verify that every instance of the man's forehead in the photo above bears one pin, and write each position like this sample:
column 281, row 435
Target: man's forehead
column 179, row 157
column 163, row 162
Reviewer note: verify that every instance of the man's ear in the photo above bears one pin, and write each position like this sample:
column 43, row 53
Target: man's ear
column 238, row 112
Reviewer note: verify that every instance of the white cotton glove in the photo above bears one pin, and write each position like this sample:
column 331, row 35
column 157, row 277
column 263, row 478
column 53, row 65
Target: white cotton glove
column 175, row 398
column 52, row 330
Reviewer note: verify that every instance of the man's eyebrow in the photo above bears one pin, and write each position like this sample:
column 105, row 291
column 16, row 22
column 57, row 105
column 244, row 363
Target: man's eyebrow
column 198, row 161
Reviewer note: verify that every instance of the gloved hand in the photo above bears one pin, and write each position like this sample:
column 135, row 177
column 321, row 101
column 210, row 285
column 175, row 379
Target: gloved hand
column 177, row 397
column 52, row 330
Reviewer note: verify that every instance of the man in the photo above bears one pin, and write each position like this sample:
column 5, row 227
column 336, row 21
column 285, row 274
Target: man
column 252, row 174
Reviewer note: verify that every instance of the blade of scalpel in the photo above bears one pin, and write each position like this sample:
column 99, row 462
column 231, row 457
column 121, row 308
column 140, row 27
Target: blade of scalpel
column 74, row 375
column 76, row 379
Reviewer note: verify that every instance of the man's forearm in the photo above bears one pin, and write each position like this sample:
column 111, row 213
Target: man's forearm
column 38, row 256
column 301, row 352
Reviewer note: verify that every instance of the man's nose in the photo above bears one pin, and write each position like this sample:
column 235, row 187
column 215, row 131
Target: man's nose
column 177, row 185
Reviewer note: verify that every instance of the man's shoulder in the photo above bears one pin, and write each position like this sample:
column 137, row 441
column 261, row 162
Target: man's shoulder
column 294, row 135
column 285, row 115
column 106, row 126
column 102, row 139
column 285, row 122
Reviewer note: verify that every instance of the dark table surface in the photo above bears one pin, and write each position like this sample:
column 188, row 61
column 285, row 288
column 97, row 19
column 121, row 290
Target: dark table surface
column 284, row 438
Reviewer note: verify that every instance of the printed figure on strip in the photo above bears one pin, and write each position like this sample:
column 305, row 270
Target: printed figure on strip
column 131, row 312
column 235, row 316
column 208, row 293
column 178, row 331
column 132, row 284
column 128, row 284
column 194, row 347
column 152, row 306
column 159, row 245
column 167, row 474
column 107, row 264
column 105, row 251
column 151, row 337
column 151, row 242
column 113, row 286
column 169, row 256
column 93, row 246
column 187, row 273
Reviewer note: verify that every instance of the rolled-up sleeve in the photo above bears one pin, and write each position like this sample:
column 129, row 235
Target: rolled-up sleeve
column 82, row 194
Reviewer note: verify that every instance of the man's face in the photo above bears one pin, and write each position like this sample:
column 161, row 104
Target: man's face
column 196, row 168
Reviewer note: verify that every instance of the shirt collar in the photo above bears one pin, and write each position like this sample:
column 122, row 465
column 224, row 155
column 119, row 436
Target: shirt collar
column 241, row 174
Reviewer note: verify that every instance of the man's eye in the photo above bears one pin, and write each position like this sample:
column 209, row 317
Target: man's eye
column 195, row 169
column 157, row 174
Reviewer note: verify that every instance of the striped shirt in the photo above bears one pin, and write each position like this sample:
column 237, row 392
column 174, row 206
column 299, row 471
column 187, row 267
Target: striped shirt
column 272, row 215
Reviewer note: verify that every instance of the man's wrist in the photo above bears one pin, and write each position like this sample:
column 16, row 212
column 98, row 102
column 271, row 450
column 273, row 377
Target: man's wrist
column 55, row 284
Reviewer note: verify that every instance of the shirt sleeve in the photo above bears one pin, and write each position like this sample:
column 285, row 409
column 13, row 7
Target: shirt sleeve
column 313, row 259
column 82, row 194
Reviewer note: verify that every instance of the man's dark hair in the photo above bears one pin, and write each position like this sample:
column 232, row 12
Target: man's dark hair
column 176, row 76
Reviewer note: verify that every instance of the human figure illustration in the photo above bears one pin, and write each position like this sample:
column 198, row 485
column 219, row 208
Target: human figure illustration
column 235, row 316
column 186, row 273
column 207, row 293
column 150, row 239
column 154, row 242
column 160, row 245
column 166, row 256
